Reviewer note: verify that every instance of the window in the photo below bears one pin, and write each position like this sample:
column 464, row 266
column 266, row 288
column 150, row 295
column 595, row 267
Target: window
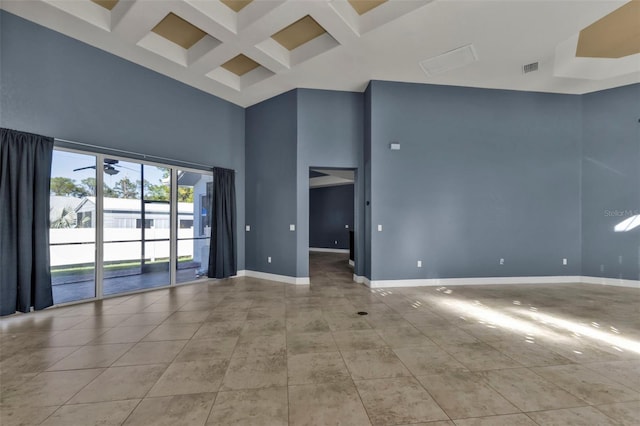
column 148, row 223
column 186, row 223
column 84, row 220
column 128, row 204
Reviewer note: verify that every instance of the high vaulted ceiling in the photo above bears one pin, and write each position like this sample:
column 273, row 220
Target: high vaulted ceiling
column 246, row 51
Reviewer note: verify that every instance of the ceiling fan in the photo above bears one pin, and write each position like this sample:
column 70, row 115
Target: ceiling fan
column 109, row 167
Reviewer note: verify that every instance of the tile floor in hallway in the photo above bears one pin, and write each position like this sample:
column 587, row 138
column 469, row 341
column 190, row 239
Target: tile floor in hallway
column 247, row 351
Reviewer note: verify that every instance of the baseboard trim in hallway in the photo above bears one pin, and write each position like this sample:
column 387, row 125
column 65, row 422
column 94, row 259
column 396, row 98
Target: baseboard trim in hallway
column 495, row 280
column 328, row 250
column 274, row 277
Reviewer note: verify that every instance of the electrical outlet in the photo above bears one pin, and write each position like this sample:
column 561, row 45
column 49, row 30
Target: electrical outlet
column 247, row 228
column 269, row 259
column 419, row 263
column 501, row 261
column 335, row 242
column 292, row 227
column 346, row 226
column 564, row 261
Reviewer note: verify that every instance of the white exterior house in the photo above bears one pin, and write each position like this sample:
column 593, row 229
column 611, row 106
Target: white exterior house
column 123, row 230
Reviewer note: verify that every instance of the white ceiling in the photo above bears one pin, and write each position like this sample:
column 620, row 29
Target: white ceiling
column 386, row 43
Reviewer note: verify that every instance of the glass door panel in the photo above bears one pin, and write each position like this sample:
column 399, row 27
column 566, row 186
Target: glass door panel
column 136, row 226
column 194, row 225
column 157, row 231
column 72, row 222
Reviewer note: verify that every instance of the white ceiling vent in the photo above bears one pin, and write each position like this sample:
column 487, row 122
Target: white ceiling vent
column 450, row 60
column 533, row 66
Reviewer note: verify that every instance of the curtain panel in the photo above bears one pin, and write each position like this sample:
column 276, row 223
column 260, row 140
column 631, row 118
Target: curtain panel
column 25, row 173
column 222, row 250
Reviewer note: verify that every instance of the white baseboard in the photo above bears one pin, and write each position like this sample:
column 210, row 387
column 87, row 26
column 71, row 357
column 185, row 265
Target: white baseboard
column 274, row 277
column 495, row 280
column 361, row 279
column 328, row 250
column 430, row 282
column 611, row 281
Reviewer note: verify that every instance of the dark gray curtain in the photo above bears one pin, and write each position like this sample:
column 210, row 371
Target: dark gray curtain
column 222, row 251
column 25, row 171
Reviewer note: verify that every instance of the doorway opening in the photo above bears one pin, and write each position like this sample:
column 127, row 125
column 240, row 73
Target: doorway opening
column 331, row 223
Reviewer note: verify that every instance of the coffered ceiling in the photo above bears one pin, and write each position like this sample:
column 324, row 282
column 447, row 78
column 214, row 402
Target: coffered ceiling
column 246, row 51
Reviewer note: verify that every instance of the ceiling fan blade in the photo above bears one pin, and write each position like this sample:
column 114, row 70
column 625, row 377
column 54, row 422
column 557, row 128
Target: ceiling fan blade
column 84, row 168
column 124, row 167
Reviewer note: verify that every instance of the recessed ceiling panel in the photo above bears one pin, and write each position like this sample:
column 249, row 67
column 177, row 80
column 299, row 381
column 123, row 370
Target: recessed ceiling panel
column 179, row 31
column 615, row 36
column 386, row 42
column 107, row 4
column 363, row 6
column 240, row 65
column 236, row 5
column 451, row 60
column 299, row 33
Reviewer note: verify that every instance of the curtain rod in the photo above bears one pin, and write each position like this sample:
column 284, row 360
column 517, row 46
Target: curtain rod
column 135, row 154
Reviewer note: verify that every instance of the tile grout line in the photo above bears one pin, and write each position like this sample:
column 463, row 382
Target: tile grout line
column 411, row 372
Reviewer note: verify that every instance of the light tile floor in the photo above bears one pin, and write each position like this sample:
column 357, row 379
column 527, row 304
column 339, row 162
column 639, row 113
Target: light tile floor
column 248, row 351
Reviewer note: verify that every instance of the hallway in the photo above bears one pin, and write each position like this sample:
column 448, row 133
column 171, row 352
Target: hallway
column 329, row 268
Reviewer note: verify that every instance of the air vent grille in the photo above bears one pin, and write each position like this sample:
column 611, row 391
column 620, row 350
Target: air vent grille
column 532, row 67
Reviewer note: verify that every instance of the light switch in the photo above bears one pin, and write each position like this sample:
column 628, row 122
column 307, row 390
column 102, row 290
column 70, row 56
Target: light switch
column 379, row 228
column 247, row 228
column 346, row 226
column 292, row 227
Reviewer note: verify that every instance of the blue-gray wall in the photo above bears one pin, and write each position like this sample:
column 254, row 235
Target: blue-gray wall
column 611, row 182
column 330, row 135
column 366, row 181
column 481, row 175
column 271, row 185
column 330, row 209
column 54, row 85
column 285, row 136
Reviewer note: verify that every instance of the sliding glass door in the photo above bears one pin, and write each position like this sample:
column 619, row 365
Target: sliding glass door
column 194, row 224
column 136, row 211
column 120, row 230
column 72, row 223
